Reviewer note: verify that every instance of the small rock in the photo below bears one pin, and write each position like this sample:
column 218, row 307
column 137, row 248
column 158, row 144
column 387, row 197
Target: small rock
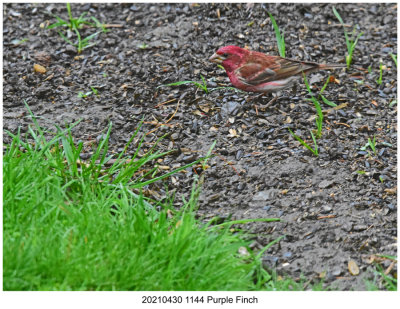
column 134, row 8
column 42, row 91
column 326, row 184
column 43, row 57
column 287, row 255
column 190, row 158
column 265, row 195
column 326, row 209
column 69, row 49
column 85, row 156
column 230, row 108
column 239, row 154
column 359, row 228
column 336, row 272
column 261, row 134
column 174, row 136
column 243, row 252
column 391, row 206
column 270, row 261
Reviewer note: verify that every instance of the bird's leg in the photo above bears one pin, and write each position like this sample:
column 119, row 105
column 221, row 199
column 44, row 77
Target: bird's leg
column 254, row 97
column 270, row 102
column 275, row 97
column 294, row 88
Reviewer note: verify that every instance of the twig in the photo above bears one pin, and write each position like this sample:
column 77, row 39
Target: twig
column 326, row 217
column 228, row 163
column 165, row 123
column 166, row 102
column 389, row 269
column 344, row 124
column 340, row 25
column 113, row 26
column 177, row 106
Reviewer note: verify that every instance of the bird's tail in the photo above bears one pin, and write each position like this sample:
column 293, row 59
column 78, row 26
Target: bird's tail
column 332, row 66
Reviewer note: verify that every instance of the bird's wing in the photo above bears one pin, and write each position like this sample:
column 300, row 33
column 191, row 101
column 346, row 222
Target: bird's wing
column 254, row 74
column 264, row 69
column 289, row 67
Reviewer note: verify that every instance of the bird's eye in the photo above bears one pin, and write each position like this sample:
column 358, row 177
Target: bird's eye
column 225, row 55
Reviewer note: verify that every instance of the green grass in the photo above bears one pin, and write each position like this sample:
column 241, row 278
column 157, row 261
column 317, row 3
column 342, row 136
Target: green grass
column 200, row 85
column 379, row 80
column 143, row 46
column 371, row 144
column 17, row 42
column 382, row 280
column 304, row 143
column 394, row 57
column 75, row 24
column 84, row 95
column 350, row 41
column 318, row 121
column 73, row 225
column 324, row 99
column 280, row 38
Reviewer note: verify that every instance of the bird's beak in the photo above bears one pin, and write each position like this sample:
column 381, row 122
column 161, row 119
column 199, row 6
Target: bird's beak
column 216, row 58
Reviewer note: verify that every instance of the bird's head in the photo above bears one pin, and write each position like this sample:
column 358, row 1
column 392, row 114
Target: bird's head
column 229, row 56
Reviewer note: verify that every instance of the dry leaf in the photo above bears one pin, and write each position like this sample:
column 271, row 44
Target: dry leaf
column 205, row 108
column 232, row 133
column 353, row 268
column 391, row 190
column 198, row 113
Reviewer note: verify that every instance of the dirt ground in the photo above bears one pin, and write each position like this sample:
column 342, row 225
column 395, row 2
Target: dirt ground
column 335, row 208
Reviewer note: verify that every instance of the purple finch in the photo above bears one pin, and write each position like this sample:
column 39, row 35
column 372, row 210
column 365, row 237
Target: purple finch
column 257, row 72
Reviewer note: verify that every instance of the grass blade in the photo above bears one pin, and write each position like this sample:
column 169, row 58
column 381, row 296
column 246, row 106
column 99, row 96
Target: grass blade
column 327, row 102
column 279, row 38
column 179, row 83
column 315, row 152
column 394, row 57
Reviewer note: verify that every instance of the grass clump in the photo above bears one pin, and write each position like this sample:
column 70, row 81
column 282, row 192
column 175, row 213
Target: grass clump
column 84, row 95
column 350, row 41
column 318, row 121
column 371, row 144
column 383, row 279
column 73, row 225
column 199, row 85
column 75, row 24
column 379, row 80
column 202, row 85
